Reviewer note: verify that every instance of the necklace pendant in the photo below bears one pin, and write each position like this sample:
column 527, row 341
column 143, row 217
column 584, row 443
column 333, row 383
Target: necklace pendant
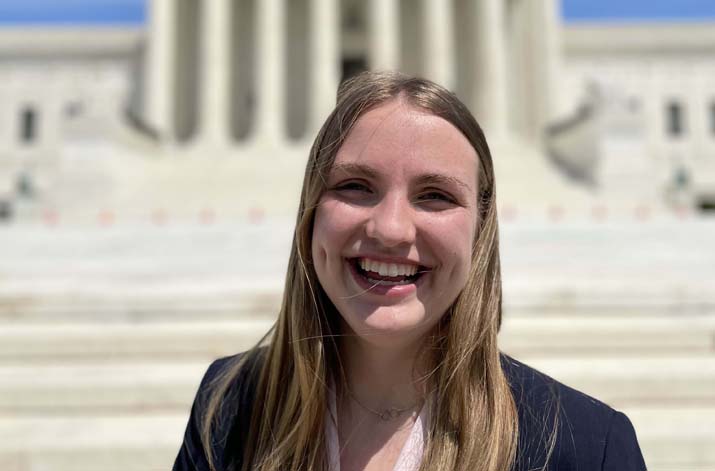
column 389, row 414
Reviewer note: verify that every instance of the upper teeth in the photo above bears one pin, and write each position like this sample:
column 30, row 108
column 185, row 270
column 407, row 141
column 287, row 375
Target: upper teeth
column 387, row 269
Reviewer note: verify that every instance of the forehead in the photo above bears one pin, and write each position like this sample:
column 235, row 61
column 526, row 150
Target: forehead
column 397, row 136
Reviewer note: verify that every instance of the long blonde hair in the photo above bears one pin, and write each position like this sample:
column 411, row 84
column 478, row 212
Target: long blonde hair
column 474, row 418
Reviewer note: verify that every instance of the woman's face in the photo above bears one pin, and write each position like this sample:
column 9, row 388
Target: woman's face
column 393, row 232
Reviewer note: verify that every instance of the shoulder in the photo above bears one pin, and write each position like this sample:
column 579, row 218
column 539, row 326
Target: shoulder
column 228, row 430
column 575, row 429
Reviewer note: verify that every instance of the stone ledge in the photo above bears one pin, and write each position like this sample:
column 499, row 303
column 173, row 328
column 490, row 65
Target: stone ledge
column 521, row 336
column 670, row 438
column 681, row 381
column 98, row 388
column 109, row 443
column 170, row 341
column 608, row 336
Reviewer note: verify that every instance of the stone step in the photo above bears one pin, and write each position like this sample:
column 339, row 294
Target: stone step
column 106, row 443
column 675, row 438
column 521, row 336
column 96, row 388
column 104, row 298
column 133, row 269
column 589, row 335
column 635, row 381
column 671, row 438
column 243, row 300
column 117, row 299
column 122, row 341
column 176, row 304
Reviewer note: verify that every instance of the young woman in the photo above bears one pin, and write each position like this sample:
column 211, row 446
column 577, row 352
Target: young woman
column 384, row 355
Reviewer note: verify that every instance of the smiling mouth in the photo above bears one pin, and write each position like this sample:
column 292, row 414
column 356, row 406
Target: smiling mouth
column 387, row 274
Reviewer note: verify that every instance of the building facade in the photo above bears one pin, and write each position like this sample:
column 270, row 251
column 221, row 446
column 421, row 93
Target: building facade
column 265, row 72
column 60, row 87
column 62, row 82
column 253, row 80
column 656, row 94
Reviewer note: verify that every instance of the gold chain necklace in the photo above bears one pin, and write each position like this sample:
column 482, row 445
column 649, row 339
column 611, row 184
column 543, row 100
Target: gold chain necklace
column 386, row 414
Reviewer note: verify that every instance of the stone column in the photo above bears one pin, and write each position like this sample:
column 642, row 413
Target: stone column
column 438, row 24
column 160, row 66
column 325, row 60
column 384, row 41
column 9, row 141
column 545, row 18
column 270, row 112
column 49, row 120
column 8, row 121
column 490, row 92
column 215, row 62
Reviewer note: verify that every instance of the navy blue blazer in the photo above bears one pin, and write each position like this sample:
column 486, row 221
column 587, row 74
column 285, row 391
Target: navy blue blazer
column 590, row 436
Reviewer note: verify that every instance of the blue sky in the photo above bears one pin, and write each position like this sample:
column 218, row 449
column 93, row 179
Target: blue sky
column 14, row 12
column 635, row 10
column 72, row 11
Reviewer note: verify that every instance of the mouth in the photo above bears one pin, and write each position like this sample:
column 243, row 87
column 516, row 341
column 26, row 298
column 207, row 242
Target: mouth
column 387, row 274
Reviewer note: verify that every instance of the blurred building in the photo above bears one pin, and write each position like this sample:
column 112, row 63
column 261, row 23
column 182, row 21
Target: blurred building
column 577, row 115
column 61, row 88
column 63, row 83
column 653, row 86
column 226, row 71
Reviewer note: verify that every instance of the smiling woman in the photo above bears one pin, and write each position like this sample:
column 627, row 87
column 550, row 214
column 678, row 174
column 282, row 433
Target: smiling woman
column 384, row 355
column 401, row 197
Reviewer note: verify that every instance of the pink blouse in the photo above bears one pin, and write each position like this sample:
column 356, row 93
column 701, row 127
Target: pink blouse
column 411, row 454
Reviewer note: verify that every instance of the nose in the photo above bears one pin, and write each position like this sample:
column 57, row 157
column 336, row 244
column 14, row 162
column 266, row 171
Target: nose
column 391, row 221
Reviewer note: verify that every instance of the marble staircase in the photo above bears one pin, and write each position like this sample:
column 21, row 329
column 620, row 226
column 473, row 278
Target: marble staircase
column 106, row 332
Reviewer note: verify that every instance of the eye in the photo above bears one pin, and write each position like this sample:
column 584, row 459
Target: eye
column 352, row 185
column 436, row 196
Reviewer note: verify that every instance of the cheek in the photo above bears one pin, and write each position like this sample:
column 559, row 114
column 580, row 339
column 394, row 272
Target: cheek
column 331, row 229
column 455, row 238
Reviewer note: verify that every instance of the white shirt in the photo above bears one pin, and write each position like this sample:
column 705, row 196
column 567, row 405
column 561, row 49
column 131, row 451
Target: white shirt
column 411, row 454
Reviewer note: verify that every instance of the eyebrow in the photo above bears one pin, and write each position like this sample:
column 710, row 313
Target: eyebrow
column 359, row 170
column 440, row 179
column 366, row 171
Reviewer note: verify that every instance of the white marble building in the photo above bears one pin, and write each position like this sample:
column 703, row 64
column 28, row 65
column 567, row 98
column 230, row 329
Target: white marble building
column 224, row 71
column 60, row 87
column 63, row 82
column 251, row 80
column 656, row 94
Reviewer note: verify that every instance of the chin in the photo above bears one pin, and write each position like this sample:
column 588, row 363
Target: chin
column 389, row 325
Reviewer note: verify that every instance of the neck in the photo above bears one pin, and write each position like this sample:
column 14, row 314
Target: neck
column 383, row 377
